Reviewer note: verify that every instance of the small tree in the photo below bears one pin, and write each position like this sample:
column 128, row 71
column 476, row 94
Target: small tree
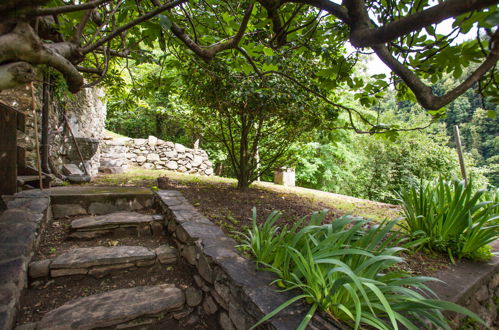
column 249, row 117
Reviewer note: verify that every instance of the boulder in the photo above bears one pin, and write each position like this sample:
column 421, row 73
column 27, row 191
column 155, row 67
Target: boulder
column 197, row 161
column 71, row 169
column 139, row 142
column 179, row 148
column 171, row 154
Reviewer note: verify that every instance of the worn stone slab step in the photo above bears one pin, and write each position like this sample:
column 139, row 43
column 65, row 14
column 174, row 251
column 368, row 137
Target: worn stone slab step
column 114, row 307
column 99, row 261
column 93, row 226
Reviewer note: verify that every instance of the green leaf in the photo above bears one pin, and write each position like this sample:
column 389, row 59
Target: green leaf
column 493, row 19
column 270, row 67
column 165, row 22
column 491, row 114
column 268, row 51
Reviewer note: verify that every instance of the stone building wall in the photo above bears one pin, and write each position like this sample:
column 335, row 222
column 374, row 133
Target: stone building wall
column 86, row 115
column 152, row 153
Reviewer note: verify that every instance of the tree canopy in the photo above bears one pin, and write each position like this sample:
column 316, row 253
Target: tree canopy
column 84, row 38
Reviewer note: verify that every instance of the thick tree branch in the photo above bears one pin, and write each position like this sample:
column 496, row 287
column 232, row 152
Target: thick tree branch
column 96, row 71
column 328, row 6
column 81, row 26
column 424, row 93
column 207, row 53
column 363, row 36
column 22, row 44
column 67, row 9
column 7, row 6
column 15, row 74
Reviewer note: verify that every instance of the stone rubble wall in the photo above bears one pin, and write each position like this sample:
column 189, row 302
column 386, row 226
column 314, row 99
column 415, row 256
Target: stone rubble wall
column 153, row 153
column 86, row 114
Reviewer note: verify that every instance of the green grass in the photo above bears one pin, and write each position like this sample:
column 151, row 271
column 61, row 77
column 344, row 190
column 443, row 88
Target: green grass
column 344, row 204
column 113, row 134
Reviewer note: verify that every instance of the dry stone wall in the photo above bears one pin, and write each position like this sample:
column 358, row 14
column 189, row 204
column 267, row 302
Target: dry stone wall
column 86, row 115
column 153, row 153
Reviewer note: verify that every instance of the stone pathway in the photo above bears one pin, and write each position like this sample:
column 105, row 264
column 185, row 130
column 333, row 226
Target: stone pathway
column 94, row 226
column 99, row 261
column 114, row 307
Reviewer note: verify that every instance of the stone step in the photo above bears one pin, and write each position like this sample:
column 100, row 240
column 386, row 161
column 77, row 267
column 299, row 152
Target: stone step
column 114, row 307
column 117, row 222
column 99, row 261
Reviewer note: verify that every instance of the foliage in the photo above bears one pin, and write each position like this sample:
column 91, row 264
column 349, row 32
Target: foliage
column 255, row 121
column 375, row 167
column 344, row 269
column 148, row 102
column 451, row 217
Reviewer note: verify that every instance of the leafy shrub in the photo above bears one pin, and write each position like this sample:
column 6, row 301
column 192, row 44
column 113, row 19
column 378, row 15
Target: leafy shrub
column 345, row 269
column 450, row 217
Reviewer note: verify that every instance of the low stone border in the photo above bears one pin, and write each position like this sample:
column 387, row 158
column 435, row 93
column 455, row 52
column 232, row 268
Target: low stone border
column 100, row 261
column 473, row 285
column 91, row 200
column 232, row 287
column 21, row 226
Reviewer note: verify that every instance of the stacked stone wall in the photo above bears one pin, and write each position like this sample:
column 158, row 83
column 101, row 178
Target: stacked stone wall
column 153, row 153
column 86, row 115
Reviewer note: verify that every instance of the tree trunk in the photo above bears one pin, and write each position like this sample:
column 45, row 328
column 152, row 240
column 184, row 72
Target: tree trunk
column 243, row 176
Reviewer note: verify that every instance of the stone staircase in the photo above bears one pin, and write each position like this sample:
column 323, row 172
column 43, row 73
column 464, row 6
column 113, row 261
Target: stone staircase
column 141, row 306
column 119, row 223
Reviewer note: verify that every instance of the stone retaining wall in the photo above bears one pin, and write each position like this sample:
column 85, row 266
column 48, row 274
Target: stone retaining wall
column 474, row 285
column 232, row 288
column 152, row 153
column 86, row 115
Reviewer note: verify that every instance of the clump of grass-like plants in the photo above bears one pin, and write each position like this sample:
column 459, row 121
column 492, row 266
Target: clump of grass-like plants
column 345, row 268
column 450, row 217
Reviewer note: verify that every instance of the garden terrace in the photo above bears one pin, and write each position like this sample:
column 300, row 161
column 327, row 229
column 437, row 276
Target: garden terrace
column 190, row 260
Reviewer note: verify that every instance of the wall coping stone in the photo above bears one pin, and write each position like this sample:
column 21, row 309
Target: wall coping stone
column 465, row 278
column 21, row 226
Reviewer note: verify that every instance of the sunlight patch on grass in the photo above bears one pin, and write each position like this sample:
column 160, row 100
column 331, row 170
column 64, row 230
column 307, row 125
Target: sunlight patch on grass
column 113, row 135
column 139, row 175
column 346, row 204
